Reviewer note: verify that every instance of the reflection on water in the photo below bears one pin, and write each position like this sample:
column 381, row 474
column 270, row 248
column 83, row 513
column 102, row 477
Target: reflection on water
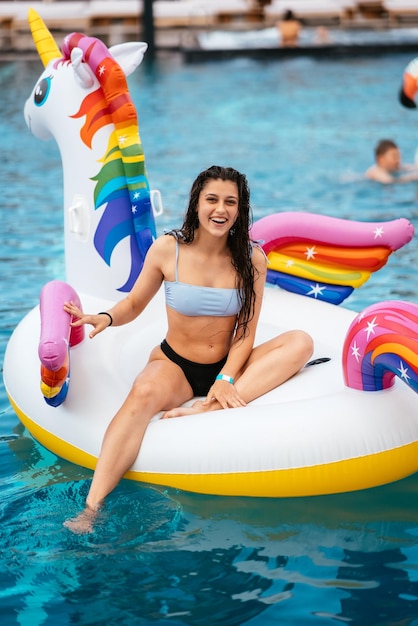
column 304, row 132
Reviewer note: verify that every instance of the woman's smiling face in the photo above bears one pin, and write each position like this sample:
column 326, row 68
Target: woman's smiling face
column 218, row 205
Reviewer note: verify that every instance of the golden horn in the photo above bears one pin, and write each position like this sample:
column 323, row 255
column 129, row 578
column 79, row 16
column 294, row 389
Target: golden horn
column 44, row 41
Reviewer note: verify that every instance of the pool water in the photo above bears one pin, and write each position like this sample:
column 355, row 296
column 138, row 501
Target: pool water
column 303, row 130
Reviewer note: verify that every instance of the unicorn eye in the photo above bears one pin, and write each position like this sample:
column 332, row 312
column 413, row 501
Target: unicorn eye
column 42, row 91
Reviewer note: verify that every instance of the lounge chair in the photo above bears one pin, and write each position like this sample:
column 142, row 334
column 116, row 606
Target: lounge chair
column 401, row 11
column 325, row 12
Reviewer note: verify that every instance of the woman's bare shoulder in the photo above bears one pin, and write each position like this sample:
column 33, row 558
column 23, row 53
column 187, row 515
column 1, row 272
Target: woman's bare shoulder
column 258, row 254
column 163, row 244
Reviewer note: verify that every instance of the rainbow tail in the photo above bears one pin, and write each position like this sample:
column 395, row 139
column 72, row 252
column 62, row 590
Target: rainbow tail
column 382, row 342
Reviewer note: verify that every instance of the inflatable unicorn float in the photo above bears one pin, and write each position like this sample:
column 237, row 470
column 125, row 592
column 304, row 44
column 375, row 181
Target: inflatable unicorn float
column 347, row 421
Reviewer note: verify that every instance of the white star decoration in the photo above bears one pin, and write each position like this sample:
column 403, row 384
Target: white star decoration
column 315, row 291
column 378, row 232
column 136, row 195
column 133, row 208
column 310, row 253
column 122, row 139
column 403, row 371
column 289, row 263
column 355, row 352
column 101, row 70
column 370, row 327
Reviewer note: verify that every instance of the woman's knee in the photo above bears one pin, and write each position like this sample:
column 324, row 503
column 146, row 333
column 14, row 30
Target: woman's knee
column 303, row 345
column 143, row 391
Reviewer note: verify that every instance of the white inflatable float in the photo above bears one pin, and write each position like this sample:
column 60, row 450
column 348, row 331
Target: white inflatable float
column 348, row 421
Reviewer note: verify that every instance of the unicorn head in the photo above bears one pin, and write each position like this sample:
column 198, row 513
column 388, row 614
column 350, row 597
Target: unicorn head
column 82, row 100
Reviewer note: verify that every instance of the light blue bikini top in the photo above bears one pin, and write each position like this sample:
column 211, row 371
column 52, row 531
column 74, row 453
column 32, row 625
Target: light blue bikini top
column 192, row 300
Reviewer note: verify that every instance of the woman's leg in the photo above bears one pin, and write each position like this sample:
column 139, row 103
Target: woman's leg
column 159, row 386
column 269, row 365
column 273, row 362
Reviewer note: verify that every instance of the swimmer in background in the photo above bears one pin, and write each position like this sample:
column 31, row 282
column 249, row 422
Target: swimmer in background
column 388, row 167
column 289, row 28
column 322, row 36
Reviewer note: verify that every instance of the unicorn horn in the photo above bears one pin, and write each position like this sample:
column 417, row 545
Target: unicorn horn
column 44, row 41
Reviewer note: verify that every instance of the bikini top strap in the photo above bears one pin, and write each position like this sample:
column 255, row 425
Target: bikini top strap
column 177, row 261
column 259, row 244
column 174, row 234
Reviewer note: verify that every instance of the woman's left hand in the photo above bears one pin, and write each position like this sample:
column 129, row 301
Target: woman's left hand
column 225, row 394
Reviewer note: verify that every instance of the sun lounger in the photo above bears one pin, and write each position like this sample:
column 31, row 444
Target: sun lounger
column 400, row 11
column 321, row 12
column 114, row 21
column 182, row 13
column 58, row 15
column 61, row 17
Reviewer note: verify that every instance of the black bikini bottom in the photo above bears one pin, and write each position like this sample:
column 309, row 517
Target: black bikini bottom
column 200, row 376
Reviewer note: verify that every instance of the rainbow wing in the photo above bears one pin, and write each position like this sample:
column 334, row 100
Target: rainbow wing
column 326, row 257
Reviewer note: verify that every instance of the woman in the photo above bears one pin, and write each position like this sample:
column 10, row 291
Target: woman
column 214, row 281
column 289, row 30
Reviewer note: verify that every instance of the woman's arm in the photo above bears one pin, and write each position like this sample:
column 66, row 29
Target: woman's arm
column 144, row 289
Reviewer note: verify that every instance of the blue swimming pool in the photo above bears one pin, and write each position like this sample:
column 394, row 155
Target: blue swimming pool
column 303, row 130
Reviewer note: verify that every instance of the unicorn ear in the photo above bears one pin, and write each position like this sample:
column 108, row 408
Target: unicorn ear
column 129, row 55
column 82, row 71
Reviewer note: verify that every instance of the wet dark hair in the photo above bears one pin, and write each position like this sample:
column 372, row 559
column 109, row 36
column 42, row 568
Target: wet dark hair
column 239, row 241
column 289, row 15
column 383, row 146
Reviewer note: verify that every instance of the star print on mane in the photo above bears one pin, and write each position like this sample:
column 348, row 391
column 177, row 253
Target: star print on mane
column 122, row 177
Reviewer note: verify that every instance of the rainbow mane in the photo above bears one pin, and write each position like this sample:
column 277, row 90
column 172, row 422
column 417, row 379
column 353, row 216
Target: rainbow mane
column 122, row 182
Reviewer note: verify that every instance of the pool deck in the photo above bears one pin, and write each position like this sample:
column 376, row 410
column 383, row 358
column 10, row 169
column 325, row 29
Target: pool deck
column 177, row 30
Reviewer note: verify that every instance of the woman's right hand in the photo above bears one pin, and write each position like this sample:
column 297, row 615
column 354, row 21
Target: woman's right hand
column 99, row 322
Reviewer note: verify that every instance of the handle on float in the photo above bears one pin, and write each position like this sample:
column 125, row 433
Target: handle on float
column 79, row 220
column 156, row 202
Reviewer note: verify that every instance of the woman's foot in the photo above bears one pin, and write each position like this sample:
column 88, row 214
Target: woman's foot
column 198, row 407
column 83, row 523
